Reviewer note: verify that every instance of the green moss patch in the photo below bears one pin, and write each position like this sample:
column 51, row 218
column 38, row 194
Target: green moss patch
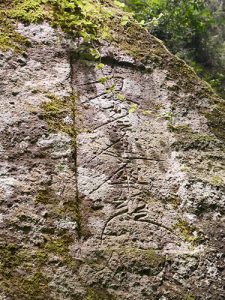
column 58, row 207
column 188, row 232
column 216, row 119
column 46, row 196
column 35, row 287
column 174, row 200
column 18, row 10
column 9, row 38
column 188, row 140
column 29, row 11
column 21, row 273
column 217, row 181
column 144, row 262
column 180, row 128
column 150, row 256
column 60, row 247
column 81, row 18
column 56, row 110
column 98, row 294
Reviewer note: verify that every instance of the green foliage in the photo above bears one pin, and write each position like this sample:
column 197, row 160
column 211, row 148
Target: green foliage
column 180, row 23
column 111, row 89
column 119, row 4
column 192, row 29
column 29, row 11
column 88, row 19
column 100, row 66
column 84, row 15
column 11, row 11
column 124, row 20
column 103, row 80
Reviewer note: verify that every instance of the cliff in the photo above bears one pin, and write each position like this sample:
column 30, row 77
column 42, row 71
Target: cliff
column 112, row 160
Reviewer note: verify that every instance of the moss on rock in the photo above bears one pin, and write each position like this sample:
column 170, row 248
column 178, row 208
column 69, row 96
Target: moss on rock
column 216, row 118
column 179, row 128
column 21, row 273
column 188, row 232
column 28, row 11
column 188, row 140
column 10, row 13
column 56, row 110
column 45, row 196
column 174, row 200
column 9, row 38
column 98, row 294
column 96, row 21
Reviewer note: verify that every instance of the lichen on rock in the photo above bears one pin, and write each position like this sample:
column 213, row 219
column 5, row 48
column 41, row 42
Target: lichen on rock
column 112, row 179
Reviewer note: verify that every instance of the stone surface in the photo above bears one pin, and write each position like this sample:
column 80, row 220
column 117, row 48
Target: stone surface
column 106, row 195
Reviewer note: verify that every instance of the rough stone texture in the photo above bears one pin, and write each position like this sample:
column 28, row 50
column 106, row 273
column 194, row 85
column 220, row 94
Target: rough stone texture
column 101, row 197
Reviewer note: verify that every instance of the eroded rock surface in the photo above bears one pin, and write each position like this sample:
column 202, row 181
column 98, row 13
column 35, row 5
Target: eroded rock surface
column 107, row 194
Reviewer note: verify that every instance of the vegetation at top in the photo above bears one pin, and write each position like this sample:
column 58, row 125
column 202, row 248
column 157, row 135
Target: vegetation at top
column 192, row 29
column 84, row 18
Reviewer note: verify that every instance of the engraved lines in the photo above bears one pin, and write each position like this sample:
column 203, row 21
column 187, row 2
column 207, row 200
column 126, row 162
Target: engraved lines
column 126, row 177
column 125, row 180
column 107, row 148
column 111, row 121
column 107, row 179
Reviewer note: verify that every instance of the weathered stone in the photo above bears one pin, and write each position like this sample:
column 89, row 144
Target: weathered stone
column 109, row 195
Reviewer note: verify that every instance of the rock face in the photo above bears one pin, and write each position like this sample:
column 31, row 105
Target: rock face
column 112, row 179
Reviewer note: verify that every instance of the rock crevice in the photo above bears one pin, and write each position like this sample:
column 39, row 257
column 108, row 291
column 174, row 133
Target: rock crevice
column 108, row 190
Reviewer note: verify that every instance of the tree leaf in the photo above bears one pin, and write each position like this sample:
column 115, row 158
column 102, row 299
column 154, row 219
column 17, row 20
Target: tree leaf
column 102, row 80
column 100, row 66
column 119, row 4
column 124, row 20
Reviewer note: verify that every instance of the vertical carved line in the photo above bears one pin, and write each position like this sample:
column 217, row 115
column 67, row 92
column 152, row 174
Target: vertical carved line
column 73, row 107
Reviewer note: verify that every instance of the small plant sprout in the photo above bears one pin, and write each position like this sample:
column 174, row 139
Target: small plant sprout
column 133, row 108
column 121, row 97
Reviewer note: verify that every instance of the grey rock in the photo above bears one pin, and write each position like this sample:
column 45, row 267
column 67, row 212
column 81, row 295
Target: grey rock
column 125, row 199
